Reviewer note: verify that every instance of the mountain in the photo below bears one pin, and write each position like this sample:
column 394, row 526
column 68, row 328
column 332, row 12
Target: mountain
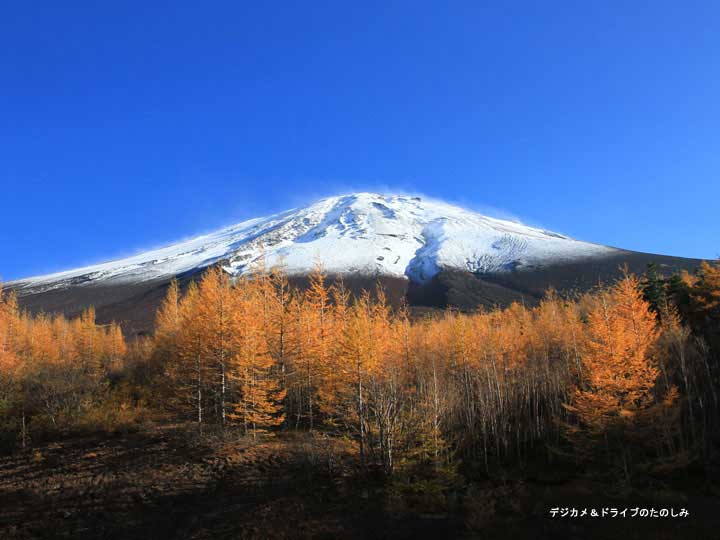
column 428, row 249
column 362, row 233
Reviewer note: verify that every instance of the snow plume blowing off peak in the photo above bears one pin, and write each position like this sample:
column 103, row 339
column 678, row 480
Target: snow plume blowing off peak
column 359, row 233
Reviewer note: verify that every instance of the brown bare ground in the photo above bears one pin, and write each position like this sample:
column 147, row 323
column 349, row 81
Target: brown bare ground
column 160, row 483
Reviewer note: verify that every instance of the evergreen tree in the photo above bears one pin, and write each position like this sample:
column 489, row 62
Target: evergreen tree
column 652, row 286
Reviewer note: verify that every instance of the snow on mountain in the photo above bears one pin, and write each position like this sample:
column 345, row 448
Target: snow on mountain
column 359, row 233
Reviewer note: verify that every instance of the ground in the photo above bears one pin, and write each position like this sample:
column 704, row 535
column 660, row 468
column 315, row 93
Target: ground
column 160, row 483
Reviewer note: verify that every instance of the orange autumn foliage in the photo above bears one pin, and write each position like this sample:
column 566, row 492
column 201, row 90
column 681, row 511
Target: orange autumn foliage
column 616, row 393
column 53, row 370
column 260, row 354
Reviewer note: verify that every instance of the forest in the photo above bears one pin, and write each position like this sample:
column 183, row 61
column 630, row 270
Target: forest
column 450, row 416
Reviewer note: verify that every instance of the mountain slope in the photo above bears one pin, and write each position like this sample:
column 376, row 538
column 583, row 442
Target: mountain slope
column 429, row 252
column 362, row 233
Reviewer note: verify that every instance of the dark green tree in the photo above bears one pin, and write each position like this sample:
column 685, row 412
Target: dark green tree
column 653, row 288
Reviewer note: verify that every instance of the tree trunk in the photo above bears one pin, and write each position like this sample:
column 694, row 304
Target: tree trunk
column 199, row 397
column 24, row 431
column 361, row 425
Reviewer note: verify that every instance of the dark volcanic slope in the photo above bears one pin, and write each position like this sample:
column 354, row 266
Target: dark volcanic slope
column 131, row 305
column 467, row 291
column 581, row 276
column 134, row 305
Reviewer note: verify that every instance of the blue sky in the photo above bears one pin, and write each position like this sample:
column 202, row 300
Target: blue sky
column 126, row 125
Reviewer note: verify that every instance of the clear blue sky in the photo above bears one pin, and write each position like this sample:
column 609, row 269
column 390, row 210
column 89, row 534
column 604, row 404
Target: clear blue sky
column 125, row 125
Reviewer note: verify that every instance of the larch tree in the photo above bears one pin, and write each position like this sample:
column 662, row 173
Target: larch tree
column 215, row 310
column 387, row 383
column 115, row 345
column 167, row 320
column 336, row 372
column 620, row 370
column 281, row 303
column 89, row 344
column 189, row 370
column 259, row 397
column 316, row 323
column 428, row 406
column 706, row 291
column 355, row 357
column 364, row 346
column 705, row 303
column 12, row 369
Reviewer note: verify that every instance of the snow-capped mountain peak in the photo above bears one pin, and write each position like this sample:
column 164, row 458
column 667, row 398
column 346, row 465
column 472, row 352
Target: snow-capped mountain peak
column 365, row 233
